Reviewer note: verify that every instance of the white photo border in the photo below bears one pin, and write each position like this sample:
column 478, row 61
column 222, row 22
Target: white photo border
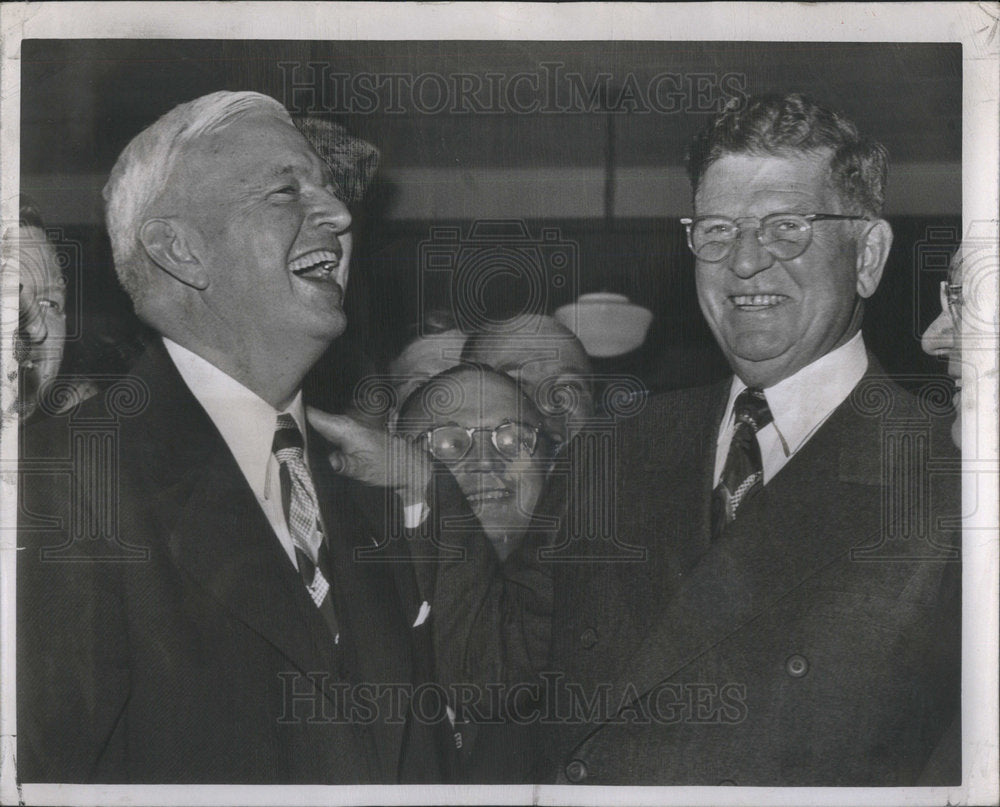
column 974, row 25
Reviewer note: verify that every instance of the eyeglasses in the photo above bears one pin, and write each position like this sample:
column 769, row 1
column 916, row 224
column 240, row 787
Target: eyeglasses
column 951, row 300
column 784, row 235
column 511, row 439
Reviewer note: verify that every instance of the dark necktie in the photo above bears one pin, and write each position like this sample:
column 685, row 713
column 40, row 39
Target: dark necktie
column 298, row 499
column 743, row 473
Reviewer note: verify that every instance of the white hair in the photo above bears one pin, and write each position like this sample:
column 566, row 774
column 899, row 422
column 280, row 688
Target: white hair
column 143, row 169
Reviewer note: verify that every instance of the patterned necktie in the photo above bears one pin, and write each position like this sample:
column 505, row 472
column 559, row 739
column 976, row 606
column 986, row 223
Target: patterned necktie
column 743, row 474
column 298, row 497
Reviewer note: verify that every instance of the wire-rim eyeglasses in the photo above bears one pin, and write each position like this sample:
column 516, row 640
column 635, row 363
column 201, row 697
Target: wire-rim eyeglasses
column 784, row 235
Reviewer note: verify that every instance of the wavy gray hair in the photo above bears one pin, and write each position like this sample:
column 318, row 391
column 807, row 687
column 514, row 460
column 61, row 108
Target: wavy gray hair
column 143, row 170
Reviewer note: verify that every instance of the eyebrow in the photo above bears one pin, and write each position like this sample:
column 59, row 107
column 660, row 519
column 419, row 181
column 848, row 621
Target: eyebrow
column 261, row 182
column 276, row 172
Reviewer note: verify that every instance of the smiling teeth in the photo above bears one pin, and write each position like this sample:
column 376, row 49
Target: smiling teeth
column 321, row 261
column 758, row 299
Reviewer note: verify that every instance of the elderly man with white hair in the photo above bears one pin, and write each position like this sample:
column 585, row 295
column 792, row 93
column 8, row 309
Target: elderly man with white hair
column 196, row 606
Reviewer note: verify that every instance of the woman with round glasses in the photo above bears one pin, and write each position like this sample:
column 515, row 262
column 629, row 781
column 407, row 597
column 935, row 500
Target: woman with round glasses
column 488, row 433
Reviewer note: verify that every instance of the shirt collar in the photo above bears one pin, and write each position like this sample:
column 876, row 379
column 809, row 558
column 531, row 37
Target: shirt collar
column 798, row 409
column 244, row 419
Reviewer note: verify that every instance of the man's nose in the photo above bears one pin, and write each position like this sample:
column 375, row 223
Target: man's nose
column 748, row 256
column 483, row 455
column 329, row 211
column 940, row 335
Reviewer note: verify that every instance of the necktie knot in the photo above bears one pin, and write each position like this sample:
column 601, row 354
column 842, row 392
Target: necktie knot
column 751, row 409
column 743, row 474
column 288, row 443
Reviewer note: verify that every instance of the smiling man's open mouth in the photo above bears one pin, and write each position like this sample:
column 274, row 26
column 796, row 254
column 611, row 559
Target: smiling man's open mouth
column 320, row 264
column 756, row 302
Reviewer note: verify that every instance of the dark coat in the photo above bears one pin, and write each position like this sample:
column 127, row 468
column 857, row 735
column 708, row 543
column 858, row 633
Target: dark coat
column 164, row 635
column 816, row 643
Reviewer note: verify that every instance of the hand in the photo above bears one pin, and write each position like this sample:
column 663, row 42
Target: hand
column 374, row 457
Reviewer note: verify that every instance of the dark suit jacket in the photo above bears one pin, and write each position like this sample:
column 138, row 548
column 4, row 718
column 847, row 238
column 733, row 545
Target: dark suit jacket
column 163, row 633
column 816, row 643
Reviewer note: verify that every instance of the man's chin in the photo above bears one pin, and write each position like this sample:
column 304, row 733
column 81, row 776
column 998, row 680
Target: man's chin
column 755, row 347
column 761, row 369
column 330, row 324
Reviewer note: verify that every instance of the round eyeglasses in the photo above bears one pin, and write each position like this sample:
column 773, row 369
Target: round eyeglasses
column 512, row 440
column 784, row 235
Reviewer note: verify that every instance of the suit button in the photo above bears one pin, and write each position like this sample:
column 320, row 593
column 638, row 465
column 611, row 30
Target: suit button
column 576, row 771
column 796, row 665
column 588, row 638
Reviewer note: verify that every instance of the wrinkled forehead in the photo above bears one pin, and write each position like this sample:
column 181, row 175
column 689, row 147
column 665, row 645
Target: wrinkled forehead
column 530, row 354
column 737, row 176
column 253, row 148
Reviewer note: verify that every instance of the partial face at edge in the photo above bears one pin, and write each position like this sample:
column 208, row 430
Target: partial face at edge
column 41, row 334
column 943, row 339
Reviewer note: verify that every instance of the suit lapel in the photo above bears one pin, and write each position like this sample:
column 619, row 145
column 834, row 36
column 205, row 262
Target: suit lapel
column 697, row 478
column 213, row 526
column 787, row 534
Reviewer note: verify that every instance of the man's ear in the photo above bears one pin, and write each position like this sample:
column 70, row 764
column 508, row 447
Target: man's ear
column 872, row 255
column 166, row 244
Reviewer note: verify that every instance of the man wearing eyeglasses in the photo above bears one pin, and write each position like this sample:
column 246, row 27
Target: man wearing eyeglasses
column 794, row 619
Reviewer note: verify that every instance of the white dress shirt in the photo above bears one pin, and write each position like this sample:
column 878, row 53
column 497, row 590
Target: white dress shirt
column 247, row 423
column 800, row 404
